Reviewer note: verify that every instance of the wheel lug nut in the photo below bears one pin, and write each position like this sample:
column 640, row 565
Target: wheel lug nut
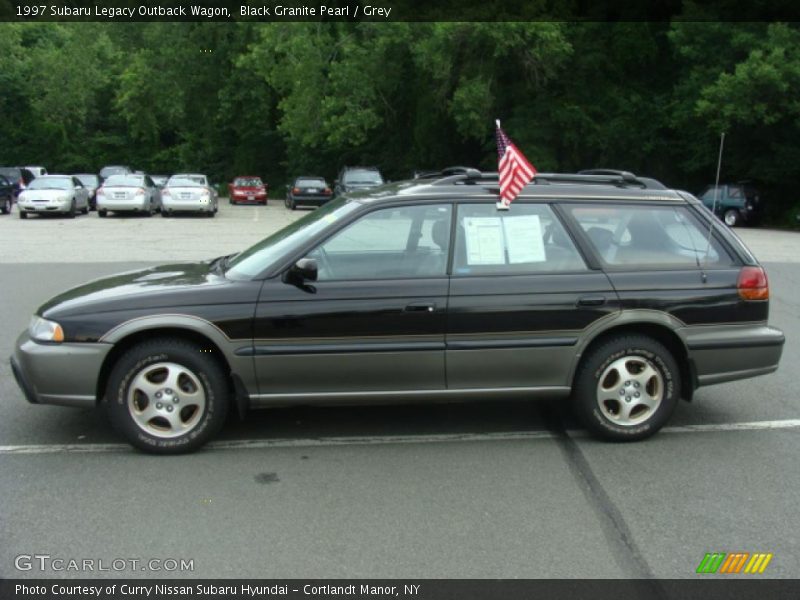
column 636, row 384
column 622, row 392
column 168, row 391
column 627, row 398
column 175, row 400
column 169, row 408
column 636, row 395
column 159, row 405
column 158, row 394
column 627, row 384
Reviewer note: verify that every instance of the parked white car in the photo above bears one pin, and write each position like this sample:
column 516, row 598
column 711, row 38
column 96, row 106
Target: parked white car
column 186, row 192
column 128, row 193
column 53, row 194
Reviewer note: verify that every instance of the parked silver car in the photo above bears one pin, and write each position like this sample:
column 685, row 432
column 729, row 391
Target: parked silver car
column 54, row 194
column 186, row 192
column 128, row 193
column 91, row 182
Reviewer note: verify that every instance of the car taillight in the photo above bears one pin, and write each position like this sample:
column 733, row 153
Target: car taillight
column 295, row 190
column 327, row 191
column 753, row 284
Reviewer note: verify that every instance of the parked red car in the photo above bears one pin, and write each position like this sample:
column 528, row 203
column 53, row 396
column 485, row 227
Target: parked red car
column 248, row 190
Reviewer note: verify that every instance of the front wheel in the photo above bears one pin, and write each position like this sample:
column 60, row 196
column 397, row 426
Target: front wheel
column 732, row 217
column 627, row 388
column 101, row 213
column 6, row 206
column 167, row 396
column 72, row 210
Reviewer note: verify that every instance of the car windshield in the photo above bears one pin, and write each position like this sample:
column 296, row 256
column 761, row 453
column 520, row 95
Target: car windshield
column 310, row 183
column 363, row 176
column 91, row 180
column 13, row 174
column 186, row 181
column 50, row 183
column 271, row 249
column 247, row 182
column 125, row 181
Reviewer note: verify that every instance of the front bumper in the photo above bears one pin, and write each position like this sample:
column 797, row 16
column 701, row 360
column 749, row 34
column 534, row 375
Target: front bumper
column 64, row 374
column 44, row 207
column 730, row 352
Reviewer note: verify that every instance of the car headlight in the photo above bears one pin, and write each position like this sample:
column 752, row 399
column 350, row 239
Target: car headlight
column 43, row 330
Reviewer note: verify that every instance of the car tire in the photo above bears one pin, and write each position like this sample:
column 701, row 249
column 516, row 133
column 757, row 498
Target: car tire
column 292, row 204
column 85, row 209
column 72, row 210
column 23, row 214
column 732, row 218
column 167, row 396
column 627, row 388
column 6, row 206
column 102, row 213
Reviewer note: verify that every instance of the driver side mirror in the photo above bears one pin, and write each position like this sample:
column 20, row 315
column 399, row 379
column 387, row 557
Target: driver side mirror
column 303, row 270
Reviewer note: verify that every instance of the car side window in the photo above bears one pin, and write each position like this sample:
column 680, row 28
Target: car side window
column 390, row 243
column 527, row 238
column 660, row 236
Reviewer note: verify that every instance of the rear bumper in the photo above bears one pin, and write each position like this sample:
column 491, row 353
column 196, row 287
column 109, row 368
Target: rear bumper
column 731, row 352
column 63, row 374
column 187, row 206
column 123, row 205
column 311, row 200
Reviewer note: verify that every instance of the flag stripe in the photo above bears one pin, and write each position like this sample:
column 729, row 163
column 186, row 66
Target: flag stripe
column 515, row 171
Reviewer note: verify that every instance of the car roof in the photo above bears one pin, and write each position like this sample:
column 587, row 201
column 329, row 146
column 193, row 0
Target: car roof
column 466, row 183
column 188, row 175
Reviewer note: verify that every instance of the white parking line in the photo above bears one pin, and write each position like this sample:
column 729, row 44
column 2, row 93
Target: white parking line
column 391, row 439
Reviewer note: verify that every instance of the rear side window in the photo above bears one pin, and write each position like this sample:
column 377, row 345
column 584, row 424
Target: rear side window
column 527, row 238
column 661, row 236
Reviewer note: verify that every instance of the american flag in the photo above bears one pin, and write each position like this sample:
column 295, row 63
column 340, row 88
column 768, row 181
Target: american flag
column 515, row 170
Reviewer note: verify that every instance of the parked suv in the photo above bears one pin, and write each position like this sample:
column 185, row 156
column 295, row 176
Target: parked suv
column 604, row 290
column 352, row 179
column 733, row 203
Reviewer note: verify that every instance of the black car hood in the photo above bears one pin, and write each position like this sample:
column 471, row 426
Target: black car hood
column 175, row 285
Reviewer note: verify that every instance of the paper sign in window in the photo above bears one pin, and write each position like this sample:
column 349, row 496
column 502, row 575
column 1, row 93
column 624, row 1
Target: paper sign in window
column 484, row 237
column 524, row 239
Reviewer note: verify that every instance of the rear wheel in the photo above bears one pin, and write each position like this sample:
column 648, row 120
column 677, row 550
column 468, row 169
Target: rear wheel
column 167, row 396
column 627, row 388
column 101, row 213
column 732, row 217
column 292, row 204
column 85, row 209
column 23, row 214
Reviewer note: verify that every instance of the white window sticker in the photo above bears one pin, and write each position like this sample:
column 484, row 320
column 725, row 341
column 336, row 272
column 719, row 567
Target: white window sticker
column 504, row 240
column 524, row 239
column 484, row 237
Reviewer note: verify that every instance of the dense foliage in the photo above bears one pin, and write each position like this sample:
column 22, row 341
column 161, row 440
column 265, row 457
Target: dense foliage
column 279, row 99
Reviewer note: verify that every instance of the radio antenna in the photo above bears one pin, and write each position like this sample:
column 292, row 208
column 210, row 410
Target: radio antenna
column 713, row 206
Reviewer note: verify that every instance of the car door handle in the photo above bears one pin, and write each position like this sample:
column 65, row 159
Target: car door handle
column 591, row 301
column 420, row 307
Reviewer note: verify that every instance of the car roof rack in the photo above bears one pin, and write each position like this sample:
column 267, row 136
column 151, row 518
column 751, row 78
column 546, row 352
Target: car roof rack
column 471, row 176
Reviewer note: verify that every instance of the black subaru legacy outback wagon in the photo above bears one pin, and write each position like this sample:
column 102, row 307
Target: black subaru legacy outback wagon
column 603, row 288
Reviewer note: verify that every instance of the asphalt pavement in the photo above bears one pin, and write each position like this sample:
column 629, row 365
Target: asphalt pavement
column 489, row 489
